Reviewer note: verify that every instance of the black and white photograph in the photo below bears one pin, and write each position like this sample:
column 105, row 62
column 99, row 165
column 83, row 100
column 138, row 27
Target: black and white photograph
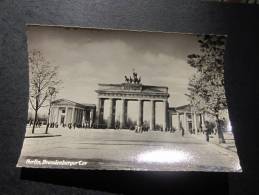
column 106, row 99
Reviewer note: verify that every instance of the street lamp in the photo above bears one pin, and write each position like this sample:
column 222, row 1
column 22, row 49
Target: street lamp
column 51, row 91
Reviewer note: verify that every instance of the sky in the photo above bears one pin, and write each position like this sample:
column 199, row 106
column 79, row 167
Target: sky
column 86, row 57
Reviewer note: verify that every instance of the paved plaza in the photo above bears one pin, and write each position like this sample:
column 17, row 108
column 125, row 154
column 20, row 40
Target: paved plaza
column 127, row 150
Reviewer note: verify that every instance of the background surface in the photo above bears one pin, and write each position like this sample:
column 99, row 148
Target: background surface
column 236, row 20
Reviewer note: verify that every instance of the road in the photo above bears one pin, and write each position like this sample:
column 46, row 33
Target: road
column 127, row 150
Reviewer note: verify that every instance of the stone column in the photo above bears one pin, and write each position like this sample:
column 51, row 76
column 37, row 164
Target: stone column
column 99, row 112
column 73, row 116
column 66, row 116
column 185, row 121
column 126, row 114
column 79, row 117
column 170, row 121
column 57, row 116
column 153, row 115
column 91, row 117
column 53, row 114
column 178, row 121
column 83, row 117
column 140, row 113
column 111, row 119
column 124, row 108
column 195, row 123
column 165, row 122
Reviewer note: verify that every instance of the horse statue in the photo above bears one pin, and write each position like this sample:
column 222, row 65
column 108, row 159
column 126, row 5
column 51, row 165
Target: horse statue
column 127, row 79
column 130, row 80
column 139, row 80
column 135, row 77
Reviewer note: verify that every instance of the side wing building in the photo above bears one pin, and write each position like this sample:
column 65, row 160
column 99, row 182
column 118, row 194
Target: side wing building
column 65, row 112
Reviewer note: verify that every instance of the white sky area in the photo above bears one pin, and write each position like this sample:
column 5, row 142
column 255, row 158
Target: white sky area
column 86, row 57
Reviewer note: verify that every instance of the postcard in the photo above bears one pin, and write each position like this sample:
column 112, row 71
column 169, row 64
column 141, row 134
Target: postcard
column 108, row 99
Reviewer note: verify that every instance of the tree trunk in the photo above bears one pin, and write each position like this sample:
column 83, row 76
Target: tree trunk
column 220, row 132
column 35, row 120
column 47, row 126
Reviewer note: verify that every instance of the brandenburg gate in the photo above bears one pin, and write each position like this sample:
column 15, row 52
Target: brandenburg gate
column 131, row 90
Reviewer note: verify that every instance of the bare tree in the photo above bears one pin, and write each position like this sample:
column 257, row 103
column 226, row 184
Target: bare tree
column 43, row 75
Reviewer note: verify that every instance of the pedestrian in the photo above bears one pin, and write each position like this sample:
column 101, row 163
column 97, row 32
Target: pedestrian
column 207, row 130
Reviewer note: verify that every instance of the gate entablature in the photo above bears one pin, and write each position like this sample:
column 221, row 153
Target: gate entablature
column 132, row 91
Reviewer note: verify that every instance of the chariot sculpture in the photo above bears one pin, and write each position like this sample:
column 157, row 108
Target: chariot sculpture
column 134, row 79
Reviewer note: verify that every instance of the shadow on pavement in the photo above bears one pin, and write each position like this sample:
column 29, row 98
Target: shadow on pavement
column 41, row 136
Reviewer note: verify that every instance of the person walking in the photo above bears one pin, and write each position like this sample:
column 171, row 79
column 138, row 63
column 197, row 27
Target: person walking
column 207, row 130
